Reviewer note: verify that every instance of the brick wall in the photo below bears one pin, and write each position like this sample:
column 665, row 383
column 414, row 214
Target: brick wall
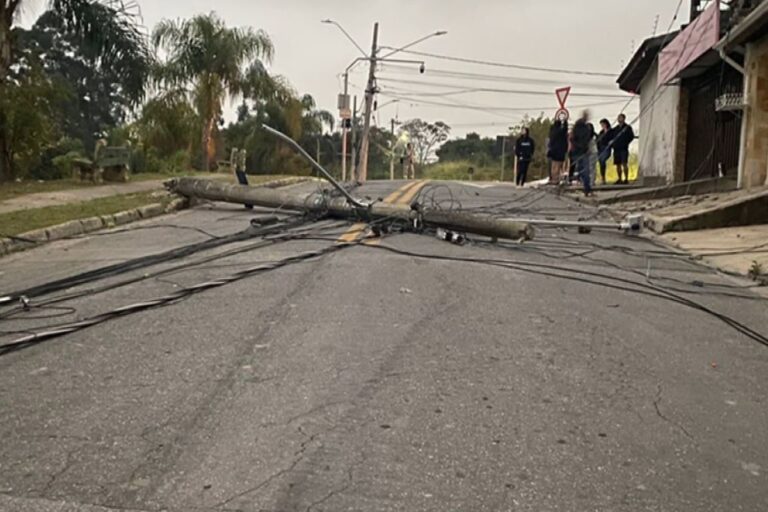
column 755, row 146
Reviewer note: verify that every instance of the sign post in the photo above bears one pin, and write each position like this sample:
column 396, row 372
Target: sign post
column 562, row 96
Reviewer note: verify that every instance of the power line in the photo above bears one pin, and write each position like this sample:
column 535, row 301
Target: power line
column 511, row 66
column 399, row 94
column 404, row 70
column 529, row 92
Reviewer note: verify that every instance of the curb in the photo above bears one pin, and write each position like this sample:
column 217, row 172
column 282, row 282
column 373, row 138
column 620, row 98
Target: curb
column 79, row 227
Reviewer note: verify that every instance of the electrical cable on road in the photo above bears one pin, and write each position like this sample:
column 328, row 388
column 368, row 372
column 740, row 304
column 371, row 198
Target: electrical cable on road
column 37, row 337
column 144, row 261
column 591, row 278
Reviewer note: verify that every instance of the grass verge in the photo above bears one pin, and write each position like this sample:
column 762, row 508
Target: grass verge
column 17, row 189
column 22, row 221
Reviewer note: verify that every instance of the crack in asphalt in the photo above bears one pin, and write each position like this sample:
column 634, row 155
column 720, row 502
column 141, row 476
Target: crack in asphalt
column 350, row 481
column 299, row 454
column 661, row 415
column 171, row 450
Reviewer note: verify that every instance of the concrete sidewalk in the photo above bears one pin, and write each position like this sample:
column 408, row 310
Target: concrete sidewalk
column 76, row 195
column 733, row 250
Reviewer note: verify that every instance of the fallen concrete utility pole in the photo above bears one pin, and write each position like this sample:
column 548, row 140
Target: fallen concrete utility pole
column 341, row 207
column 632, row 225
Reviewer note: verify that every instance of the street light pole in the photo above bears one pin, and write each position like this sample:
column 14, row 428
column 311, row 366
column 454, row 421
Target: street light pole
column 392, row 154
column 503, row 155
column 353, row 164
column 362, row 170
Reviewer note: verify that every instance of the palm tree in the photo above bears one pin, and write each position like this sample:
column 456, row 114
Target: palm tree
column 212, row 62
column 112, row 29
column 314, row 119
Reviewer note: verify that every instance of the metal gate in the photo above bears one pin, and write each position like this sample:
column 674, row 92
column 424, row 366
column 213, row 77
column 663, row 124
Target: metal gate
column 713, row 139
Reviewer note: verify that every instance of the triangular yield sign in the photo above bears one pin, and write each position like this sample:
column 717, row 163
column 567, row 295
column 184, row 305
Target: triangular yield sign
column 562, row 95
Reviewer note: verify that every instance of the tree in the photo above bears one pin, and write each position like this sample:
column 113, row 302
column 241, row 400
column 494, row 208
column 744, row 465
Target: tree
column 101, row 92
column 111, row 26
column 426, row 137
column 212, row 62
column 30, row 119
column 472, row 148
column 168, row 124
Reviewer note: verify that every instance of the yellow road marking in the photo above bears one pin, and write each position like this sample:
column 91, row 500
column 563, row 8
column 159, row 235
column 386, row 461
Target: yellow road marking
column 405, row 199
column 353, row 233
column 357, row 230
column 392, row 198
column 408, row 196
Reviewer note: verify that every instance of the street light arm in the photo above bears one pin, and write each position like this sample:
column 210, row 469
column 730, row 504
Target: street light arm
column 295, row 145
column 331, row 22
column 397, row 50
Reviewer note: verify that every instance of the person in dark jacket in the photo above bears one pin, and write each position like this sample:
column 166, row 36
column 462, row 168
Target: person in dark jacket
column 524, row 149
column 557, row 149
column 580, row 138
column 623, row 135
column 604, row 139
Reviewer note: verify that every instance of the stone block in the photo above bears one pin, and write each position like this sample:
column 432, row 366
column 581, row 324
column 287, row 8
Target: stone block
column 92, row 224
column 126, row 217
column 66, row 230
column 151, row 210
column 36, row 236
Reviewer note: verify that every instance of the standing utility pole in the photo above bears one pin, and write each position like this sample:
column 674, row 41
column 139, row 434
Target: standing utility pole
column 362, row 174
column 353, row 165
column 503, row 155
column 344, row 139
column 392, row 155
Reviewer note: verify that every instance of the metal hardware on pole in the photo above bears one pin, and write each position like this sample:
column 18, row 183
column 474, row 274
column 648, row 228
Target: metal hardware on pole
column 316, row 165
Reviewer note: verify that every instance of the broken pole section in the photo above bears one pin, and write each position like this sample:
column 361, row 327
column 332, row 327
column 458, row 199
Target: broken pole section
column 339, row 207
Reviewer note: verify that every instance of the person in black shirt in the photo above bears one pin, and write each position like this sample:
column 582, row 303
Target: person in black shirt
column 557, row 149
column 581, row 137
column 524, row 149
column 604, row 139
column 622, row 138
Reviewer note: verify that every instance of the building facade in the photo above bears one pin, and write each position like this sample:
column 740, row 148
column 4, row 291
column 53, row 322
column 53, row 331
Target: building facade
column 747, row 41
column 659, row 112
column 704, row 110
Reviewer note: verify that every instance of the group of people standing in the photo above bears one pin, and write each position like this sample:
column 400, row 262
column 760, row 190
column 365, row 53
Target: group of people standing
column 576, row 153
column 585, row 149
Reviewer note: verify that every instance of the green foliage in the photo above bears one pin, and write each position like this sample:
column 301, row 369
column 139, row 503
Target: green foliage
column 94, row 59
column 65, row 164
column 757, row 270
column 168, row 123
column 214, row 62
column 471, row 148
column 460, row 170
column 28, row 107
column 485, row 152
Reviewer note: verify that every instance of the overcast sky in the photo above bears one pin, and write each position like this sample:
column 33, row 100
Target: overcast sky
column 588, row 35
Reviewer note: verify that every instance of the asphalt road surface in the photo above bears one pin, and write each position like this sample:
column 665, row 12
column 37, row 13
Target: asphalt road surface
column 320, row 370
